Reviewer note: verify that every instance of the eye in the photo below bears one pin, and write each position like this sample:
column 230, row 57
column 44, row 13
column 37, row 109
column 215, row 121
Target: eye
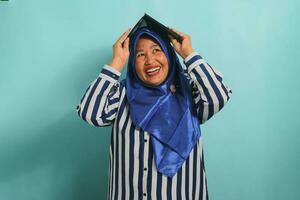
column 156, row 50
column 139, row 54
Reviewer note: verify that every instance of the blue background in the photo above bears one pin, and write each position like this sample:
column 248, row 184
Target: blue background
column 50, row 51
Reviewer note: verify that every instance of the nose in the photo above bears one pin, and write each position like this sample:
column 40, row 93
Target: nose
column 148, row 59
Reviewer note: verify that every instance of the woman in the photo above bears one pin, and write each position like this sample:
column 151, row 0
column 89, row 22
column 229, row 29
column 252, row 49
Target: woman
column 156, row 112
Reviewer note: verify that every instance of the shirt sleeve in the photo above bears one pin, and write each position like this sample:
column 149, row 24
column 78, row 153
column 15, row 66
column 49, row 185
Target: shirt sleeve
column 209, row 92
column 100, row 102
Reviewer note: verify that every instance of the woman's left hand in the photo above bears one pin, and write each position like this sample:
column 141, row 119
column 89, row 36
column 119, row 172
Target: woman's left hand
column 185, row 47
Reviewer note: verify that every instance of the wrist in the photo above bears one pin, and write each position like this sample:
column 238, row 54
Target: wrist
column 190, row 56
column 116, row 64
column 187, row 53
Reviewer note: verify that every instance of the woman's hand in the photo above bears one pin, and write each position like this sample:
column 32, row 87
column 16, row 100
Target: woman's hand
column 120, row 53
column 185, row 48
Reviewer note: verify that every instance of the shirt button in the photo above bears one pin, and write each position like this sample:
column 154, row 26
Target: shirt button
column 145, row 140
column 145, row 169
column 145, row 194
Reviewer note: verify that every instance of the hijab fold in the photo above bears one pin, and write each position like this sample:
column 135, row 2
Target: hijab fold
column 168, row 116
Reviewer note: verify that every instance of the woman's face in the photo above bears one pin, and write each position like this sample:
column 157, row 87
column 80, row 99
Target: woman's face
column 151, row 63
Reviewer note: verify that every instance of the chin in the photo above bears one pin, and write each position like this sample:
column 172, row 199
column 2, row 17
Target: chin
column 154, row 83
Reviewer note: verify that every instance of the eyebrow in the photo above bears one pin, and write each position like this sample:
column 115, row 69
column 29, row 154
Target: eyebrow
column 154, row 45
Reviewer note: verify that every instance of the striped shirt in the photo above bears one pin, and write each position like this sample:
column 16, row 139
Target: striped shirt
column 132, row 169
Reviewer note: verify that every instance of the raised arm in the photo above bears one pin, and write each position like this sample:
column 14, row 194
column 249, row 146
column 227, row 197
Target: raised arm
column 99, row 104
column 210, row 94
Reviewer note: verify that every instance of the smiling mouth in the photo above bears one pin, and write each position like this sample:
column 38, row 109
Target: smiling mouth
column 153, row 71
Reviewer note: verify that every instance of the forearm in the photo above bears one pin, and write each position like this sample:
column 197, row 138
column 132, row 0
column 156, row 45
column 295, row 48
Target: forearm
column 99, row 99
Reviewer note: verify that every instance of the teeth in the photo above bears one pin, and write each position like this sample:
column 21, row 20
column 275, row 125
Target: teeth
column 153, row 69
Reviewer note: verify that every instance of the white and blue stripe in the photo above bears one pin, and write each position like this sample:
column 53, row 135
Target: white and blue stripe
column 132, row 171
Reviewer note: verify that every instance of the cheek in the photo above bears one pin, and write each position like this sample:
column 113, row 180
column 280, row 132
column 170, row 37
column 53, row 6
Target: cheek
column 163, row 59
column 165, row 71
column 139, row 67
column 164, row 62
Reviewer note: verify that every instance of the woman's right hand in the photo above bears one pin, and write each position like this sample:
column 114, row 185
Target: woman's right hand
column 120, row 53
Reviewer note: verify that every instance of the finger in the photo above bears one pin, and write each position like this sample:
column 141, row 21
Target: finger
column 126, row 43
column 183, row 35
column 120, row 40
column 173, row 40
column 178, row 32
column 176, row 45
column 123, row 36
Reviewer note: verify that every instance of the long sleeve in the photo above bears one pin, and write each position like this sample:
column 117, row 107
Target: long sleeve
column 99, row 104
column 209, row 92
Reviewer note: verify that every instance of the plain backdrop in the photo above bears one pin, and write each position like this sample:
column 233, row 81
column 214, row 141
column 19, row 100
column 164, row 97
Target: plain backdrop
column 50, row 51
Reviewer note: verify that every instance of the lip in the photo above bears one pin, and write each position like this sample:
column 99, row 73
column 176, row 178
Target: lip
column 151, row 67
column 154, row 72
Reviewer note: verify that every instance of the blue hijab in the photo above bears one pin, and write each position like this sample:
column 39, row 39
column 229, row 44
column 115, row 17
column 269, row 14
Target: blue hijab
column 168, row 116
